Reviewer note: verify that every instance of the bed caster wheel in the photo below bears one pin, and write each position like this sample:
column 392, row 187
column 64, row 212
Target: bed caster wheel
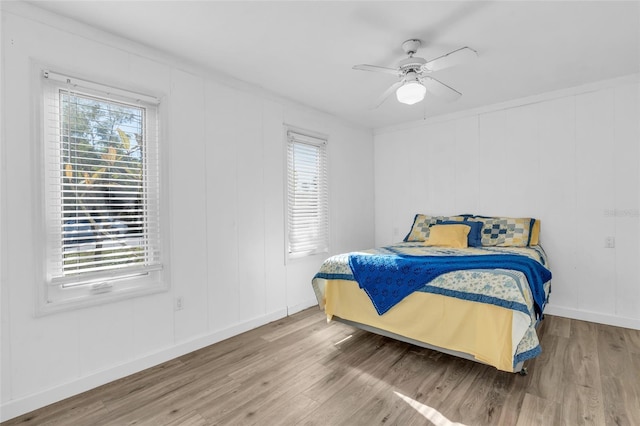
column 523, row 372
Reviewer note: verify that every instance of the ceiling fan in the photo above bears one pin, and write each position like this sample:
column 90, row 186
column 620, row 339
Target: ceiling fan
column 414, row 74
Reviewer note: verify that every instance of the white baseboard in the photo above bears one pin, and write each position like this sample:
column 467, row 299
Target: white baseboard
column 17, row 407
column 593, row 317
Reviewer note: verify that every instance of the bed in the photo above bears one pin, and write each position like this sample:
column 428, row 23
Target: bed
column 470, row 286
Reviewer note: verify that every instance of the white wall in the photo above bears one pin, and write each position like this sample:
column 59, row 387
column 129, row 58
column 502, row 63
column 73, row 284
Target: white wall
column 224, row 145
column 569, row 158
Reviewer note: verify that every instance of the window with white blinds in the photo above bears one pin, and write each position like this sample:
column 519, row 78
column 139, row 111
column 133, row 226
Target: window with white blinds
column 307, row 195
column 102, row 186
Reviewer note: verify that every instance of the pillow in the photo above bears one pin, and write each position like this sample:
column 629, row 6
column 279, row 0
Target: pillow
column 535, row 233
column 505, row 231
column 448, row 236
column 474, row 239
column 421, row 223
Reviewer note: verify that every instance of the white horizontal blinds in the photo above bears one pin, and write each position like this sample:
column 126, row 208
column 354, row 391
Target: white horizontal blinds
column 308, row 195
column 102, row 182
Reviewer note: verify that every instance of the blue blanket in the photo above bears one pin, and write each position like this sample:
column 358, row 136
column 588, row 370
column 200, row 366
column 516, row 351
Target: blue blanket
column 387, row 279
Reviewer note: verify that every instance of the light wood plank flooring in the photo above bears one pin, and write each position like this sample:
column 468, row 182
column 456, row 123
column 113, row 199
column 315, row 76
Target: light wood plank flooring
column 302, row 371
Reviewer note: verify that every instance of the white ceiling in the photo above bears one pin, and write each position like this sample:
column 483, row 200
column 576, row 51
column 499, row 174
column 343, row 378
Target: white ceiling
column 304, row 50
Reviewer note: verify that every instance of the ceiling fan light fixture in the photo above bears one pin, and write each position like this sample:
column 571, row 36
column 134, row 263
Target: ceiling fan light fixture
column 411, row 92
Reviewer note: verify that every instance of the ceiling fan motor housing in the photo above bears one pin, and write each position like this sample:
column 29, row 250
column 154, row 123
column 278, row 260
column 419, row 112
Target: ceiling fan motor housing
column 412, row 63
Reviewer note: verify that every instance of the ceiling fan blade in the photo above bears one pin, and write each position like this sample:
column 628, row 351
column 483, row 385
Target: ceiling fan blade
column 457, row 57
column 375, row 68
column 387, row 93
column 440, row 89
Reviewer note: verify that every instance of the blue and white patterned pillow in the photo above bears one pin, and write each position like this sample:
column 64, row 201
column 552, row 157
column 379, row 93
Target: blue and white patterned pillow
column 505, row 231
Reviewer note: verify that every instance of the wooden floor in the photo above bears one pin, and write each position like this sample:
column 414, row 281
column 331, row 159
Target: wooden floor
column 303, row 371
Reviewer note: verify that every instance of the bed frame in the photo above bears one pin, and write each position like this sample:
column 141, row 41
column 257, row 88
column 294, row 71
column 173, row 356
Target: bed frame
column 519, row 368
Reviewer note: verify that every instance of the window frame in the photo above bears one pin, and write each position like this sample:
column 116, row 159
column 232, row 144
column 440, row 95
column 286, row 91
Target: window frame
column 296, row 135
column 64, row 293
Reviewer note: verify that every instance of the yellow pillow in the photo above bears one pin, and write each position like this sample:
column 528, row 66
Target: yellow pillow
column 535, row 233
column 448, row 236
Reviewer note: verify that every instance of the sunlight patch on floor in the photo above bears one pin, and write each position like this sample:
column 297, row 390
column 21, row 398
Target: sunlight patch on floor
column 429, row 413
column 343, row 340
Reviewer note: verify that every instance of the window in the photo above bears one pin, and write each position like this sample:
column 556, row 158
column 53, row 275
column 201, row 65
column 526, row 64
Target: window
column 307, row 195
column 101, row 190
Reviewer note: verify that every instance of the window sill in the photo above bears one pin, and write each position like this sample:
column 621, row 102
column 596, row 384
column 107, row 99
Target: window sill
column 56, row 301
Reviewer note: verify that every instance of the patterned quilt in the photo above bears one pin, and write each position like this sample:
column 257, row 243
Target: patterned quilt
column 387, row 279
column 501, row 287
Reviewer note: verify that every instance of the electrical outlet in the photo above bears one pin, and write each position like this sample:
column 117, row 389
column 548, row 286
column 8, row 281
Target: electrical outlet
column 179, row 303
column 610, row 242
